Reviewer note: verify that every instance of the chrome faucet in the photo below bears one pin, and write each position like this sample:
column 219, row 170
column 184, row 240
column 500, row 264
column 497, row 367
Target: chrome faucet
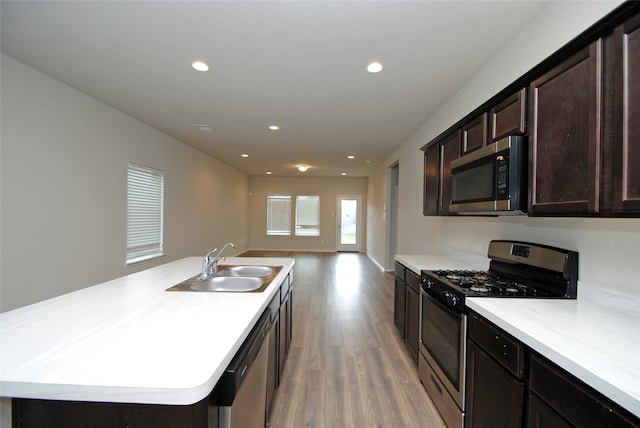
column 210, row 264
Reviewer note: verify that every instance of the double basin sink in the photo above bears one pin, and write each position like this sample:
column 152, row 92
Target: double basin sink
column 232, row 278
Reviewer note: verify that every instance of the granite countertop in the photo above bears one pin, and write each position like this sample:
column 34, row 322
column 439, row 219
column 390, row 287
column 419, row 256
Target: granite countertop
column 128, row 340
column 595, row 337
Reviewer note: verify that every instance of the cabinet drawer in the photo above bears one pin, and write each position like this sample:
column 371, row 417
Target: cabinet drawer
column 413, row 280
column 573, row 400
column 500, row 345
column 400, row 271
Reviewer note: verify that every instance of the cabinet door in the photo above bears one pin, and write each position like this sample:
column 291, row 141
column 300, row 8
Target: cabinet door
column 412, row 321
column 626, row 151
column 541, row 416
column 565, row 120
column 399, row 301
column 285, row 333
column 576, row 402
column 510, row 116
column 431, row 195
column 494, row 397
column 449, row 151
column 474, row 134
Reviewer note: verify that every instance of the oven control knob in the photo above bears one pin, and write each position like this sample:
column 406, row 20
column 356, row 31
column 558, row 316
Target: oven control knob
column 426, row 282
column 450, row 299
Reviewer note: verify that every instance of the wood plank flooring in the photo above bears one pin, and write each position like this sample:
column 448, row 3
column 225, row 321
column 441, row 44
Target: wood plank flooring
column 348, row 366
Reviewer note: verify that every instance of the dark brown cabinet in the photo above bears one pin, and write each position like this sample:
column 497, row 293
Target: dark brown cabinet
column 564, row 136
column 412, row 321
column 474, row 134
column 437, row 174
column 495, row 377
column 285, row 324
column 569, row 400
column 501, row 392
column 273, row 366
column 580, row 109
column 509, row 117
column 399, row 299
column 27, row 413
column 406, row 308
column 626, row 108
column 449, row 151
column 431, row 197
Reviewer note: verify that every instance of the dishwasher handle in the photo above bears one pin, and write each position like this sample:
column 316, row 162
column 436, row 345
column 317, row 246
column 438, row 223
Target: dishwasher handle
column 227, row 387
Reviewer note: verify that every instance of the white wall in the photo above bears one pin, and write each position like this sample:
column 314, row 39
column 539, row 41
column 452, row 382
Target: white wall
column 609, row 248
column 326, row 187
column 63, row 181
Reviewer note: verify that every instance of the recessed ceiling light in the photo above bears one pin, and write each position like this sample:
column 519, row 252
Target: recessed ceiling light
column 351, row 157
column 200, row 66
column 244, row 155
column 268, row 172
column 274, row 127
column 374, row 67
column 303, row 168
column 343, row 173
column 205, row 128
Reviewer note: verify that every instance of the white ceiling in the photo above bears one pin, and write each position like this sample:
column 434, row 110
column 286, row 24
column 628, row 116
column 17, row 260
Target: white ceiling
column 297, row 64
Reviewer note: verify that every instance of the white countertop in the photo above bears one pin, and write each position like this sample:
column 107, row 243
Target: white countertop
column 595, row 337
column 127, row 340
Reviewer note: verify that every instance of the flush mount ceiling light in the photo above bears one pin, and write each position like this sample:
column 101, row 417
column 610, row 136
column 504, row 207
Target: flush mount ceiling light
column 343, row 173
column 268, row 172
column 204, row 128
column 200, row 66
column 374, row 67
column 274, row 127
column 303, row 168
column 351, row 157
column 244, row 155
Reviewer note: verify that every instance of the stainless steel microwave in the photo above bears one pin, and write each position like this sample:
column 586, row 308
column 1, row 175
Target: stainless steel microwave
column 491, row 180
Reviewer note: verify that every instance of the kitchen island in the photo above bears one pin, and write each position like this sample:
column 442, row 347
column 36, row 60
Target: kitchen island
column 595, row 338
column 130, row 341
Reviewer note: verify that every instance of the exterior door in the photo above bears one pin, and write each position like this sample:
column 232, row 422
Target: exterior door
column 348, row 223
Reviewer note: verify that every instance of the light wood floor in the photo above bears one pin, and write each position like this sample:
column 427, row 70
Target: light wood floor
column 348, row 366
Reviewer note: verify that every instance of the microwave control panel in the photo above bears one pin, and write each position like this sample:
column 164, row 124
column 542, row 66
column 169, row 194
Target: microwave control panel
column 502, row 175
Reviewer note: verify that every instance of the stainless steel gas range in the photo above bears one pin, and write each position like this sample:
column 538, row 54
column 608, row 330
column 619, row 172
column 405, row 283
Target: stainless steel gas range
column 516, row 270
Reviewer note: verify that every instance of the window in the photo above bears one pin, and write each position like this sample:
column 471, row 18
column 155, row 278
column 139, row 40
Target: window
column 145, row 194
column 307, row 215
column 279, row 215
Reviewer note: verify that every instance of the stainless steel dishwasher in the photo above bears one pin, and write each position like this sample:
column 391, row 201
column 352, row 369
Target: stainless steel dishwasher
column 241, row 391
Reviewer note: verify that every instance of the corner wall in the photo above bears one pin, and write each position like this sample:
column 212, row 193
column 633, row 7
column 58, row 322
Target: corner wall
column 609, row 248
column 63, row 187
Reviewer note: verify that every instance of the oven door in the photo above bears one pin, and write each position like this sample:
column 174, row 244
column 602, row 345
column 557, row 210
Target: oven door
column 443, row 333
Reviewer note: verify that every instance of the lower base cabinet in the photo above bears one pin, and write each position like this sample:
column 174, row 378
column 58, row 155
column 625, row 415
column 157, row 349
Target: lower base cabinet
column 27, row 413
column 495, row 377
column 497, row 393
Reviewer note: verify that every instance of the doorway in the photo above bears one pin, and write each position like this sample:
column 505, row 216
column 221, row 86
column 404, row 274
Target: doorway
column 393, row 183
column 348, row 223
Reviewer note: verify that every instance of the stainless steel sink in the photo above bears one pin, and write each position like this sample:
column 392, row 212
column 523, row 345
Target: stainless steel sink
column 259, row 271
column 233, row 279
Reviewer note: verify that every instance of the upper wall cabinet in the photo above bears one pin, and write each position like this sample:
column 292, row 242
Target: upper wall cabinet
column 510, row 116
column 437, row 174
column 474, row 134
column 564, row 137
column 626, row 132
column 431, row 197
column 580, row 110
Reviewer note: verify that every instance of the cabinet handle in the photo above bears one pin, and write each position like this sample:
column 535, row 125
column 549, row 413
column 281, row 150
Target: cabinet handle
column 436, row 384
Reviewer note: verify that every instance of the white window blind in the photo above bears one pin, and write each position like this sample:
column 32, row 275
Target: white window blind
column 145, row 198
column 307, row 215
column 279, row 215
